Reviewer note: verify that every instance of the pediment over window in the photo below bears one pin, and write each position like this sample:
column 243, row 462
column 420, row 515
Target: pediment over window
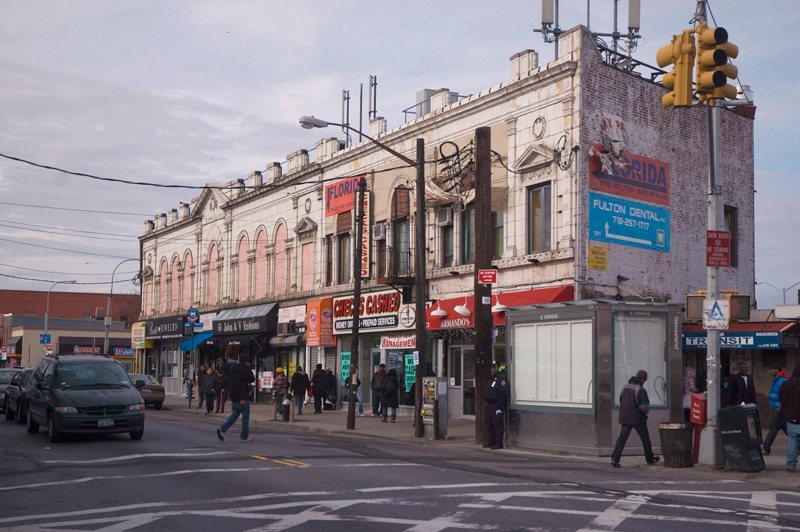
column 306, row 225
column 534, row 158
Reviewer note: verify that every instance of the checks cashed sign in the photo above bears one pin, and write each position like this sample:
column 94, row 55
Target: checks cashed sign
column 379, row 311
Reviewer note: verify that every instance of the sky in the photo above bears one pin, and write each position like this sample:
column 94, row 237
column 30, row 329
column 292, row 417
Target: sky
column 192, row 92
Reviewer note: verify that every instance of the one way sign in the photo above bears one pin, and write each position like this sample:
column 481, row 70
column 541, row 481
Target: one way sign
column 716, row 314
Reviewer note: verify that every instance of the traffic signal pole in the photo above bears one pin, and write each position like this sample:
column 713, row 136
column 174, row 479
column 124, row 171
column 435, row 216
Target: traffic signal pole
column 710, row 452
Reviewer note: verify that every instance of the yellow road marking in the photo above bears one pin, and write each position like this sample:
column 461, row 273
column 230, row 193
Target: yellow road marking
column 293, row 463
column 285, row 463
column 298, row 463
column 259, row 457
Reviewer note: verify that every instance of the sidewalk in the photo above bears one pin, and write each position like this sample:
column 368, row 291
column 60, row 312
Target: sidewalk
column 461, row 433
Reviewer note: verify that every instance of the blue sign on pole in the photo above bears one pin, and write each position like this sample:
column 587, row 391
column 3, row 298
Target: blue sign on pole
column 44, row 338
column 192, row 314
column 629, row 223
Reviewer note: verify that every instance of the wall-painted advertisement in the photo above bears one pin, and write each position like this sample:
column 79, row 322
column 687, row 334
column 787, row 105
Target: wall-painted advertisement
column 633, row 176
column 341, row 195
column 628, row 223
column 319, row 323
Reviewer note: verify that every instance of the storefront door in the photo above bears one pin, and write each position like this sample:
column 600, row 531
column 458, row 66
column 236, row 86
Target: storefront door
column 461, row 379
column 375, row 361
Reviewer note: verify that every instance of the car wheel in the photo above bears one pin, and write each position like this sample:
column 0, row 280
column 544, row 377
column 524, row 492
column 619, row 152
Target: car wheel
column 52, row 433
column 31, row 425
column 157, row 406
column 21, row 415
column 137, row 434
column 9, row 414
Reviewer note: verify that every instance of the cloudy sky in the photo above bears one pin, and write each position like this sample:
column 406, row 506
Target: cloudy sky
column 190, row 92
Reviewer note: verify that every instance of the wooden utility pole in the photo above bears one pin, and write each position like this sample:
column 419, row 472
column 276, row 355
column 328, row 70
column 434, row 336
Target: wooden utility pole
column 421, row 288
column 484, row 252
column 354, row 339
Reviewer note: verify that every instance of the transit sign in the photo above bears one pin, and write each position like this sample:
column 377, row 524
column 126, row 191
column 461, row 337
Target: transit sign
column 192, row 315
column 44, row 338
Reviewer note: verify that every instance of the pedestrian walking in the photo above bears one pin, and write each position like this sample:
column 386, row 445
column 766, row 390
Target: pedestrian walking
column 778, row 423
column 495, row 393
column 201, row 375
column 220, row 383
column 347, row 382
column 190, row 390
column 299, row 387
column 377, row 384
column 789, row 397
column 208, row 390
column 743, row 390
column 239, row 380
column 318, row 380
column 634, row 406
column 279, row 386
column 390, row 397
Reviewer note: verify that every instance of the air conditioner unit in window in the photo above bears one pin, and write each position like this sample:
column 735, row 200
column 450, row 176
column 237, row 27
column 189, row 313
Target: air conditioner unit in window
column 444, row 216
column 379, row 231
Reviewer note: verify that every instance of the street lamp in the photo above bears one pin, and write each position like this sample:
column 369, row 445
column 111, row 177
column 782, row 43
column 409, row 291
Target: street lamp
column 783, row 290
column 420, row 279
column 47, row 310
column 108, row 306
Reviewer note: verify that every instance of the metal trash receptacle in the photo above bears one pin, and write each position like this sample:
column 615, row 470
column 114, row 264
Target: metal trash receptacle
column 740, row 429
column 676, row 444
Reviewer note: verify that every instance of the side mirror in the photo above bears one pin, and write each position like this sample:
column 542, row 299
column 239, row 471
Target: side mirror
column 139, row 383
column 42, row 386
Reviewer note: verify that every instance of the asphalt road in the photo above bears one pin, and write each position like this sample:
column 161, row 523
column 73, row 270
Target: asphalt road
column 180, row 477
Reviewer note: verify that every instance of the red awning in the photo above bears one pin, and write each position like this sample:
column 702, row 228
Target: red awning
column 771, row 326
column 455, row 320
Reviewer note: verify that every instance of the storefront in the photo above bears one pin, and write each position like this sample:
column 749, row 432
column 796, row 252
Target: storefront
column 383, row 316
column 246, row 331
column 164, row 359
column 451, row 324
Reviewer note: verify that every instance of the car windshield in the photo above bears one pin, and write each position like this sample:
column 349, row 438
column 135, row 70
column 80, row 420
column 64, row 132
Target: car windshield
column 148, row 379
column 6, row 376
column 91, row 375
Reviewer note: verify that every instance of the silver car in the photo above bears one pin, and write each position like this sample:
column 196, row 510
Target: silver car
column 149, row 388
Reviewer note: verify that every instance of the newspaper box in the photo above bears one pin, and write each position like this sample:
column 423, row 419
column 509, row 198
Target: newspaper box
column 698, row 408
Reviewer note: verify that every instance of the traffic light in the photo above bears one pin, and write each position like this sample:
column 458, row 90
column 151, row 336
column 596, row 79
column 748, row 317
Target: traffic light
column 738, row 307
column 694, row 306
column 713, row 68
column 681, row 53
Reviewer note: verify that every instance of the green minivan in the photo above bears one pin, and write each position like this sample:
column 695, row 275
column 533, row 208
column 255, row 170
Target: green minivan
column 83, row 394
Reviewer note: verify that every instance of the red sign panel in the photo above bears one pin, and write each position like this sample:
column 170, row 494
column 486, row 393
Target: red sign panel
column 633, row 176
column 697, row 413
column 319, row 323
column 341, row 195
column 487, row 276
column 718, row 249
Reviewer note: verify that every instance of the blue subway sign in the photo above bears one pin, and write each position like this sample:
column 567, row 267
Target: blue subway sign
column 629, row 223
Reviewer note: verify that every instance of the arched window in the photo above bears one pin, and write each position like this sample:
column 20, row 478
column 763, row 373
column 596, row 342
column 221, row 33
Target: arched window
column 401, row 234
column 175, row 284
column 213, row 275
column 280, row 260
column 244, row 245
column 261, row 265
column 187, row 281
column 148, row 298
column 344, row 227
column 164, row 295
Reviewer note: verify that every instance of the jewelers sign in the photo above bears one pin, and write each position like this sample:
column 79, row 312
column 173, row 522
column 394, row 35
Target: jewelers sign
column 379, row 311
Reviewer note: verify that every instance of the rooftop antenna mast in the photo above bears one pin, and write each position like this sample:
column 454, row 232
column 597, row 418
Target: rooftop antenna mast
column 550, row 30
column 373, row 98
column 346, row 117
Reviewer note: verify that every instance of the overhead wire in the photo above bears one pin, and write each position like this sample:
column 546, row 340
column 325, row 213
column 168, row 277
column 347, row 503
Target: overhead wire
column 62, row 249
column 62, row 273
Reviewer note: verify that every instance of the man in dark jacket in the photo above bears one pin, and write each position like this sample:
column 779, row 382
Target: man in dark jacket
column 634, row 405
column 201, row 375
column 778, row 423
column 299, row 387
column 743, row 391
column 789, row 396
column 318, row 381
column 377, row 384
column 207, row 390
column 494, row 393
column 239, row 381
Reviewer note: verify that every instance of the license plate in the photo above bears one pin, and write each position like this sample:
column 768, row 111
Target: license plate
column 102, row 423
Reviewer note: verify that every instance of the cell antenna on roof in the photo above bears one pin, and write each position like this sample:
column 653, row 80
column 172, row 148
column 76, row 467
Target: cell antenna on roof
column 372, row 100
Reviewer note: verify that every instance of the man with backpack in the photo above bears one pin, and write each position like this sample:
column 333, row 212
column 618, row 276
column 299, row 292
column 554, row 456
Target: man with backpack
column 634, row 406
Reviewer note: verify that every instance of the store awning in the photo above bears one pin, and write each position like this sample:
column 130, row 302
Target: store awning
column 257, row 319
column 192, row 343
column 453, row 319
column 14, row 342
column 743, row 335
column 291, row 340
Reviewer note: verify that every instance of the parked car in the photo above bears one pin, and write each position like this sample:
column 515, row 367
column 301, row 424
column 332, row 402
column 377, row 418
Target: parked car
column 149, row 388
column 15, row 396
column 83, row 394
column 6, row 374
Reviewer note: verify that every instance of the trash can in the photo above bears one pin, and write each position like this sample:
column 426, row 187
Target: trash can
column 676, row 444
column 741, row 438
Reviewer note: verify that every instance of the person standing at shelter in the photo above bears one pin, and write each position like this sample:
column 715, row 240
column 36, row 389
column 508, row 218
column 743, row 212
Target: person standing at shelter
column 390, row 396
column 239, row 380
column 208, row 390
column 318, row 381
column 299, row 386
column 377, row 383
column 743, row 390
column 789, row 397
column 634, row 406
column 347, row 381
column 778, row 423
column 201, row 375
column 495, row 395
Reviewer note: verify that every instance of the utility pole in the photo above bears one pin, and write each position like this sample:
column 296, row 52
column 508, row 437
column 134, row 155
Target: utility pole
column 354, row 340
column 421, row 288
column 484, row 251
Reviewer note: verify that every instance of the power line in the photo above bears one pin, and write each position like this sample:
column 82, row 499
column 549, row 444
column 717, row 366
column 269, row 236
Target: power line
column 76, row 210
column 24, row 228
column 62, row 249
column 62, row 273
column 51, row 281
column 64, row 229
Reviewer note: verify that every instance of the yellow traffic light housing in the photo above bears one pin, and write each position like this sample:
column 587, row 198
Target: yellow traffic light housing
column 694, row 307
column 713, row 68
column 738, row 307
column 681, row 53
